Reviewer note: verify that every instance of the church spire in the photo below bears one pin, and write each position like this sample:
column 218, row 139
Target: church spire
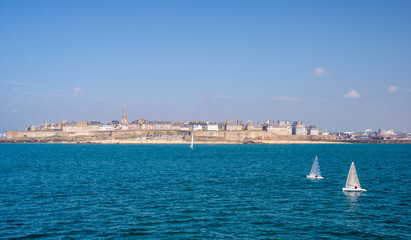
column 124, row 118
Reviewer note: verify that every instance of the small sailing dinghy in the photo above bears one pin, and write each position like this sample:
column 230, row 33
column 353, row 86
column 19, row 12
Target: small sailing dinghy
column 353, row 183
column 315, row 172
column 192, row 142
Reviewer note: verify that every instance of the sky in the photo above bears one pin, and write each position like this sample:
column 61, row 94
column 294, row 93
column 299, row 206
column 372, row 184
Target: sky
column 340, row 65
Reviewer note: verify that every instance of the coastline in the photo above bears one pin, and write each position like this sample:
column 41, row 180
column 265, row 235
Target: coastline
column 148, row 142
column 176, row 137
column 205, row 142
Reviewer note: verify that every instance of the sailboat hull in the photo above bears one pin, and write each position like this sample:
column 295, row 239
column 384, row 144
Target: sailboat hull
column 314, row 177
column 353, row 190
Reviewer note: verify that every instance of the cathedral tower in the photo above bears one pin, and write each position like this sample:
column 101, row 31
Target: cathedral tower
column 124, row 118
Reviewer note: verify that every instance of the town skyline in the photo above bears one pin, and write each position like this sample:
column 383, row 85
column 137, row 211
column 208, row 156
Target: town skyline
column 124, row 121
column 340, row 66
column 223, row 120
column 143, row 130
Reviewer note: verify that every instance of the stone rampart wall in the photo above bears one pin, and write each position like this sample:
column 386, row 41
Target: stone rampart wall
column 14, row 134
column 200, row 135
column 260, row 135
column 33, row 134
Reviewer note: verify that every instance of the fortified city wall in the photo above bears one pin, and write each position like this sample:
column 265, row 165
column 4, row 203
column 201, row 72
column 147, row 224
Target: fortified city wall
column 21, row 134
column 201, row 136
column 259, row 135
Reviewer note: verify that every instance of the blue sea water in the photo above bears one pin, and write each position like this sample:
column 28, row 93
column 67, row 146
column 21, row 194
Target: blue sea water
column 57, row 191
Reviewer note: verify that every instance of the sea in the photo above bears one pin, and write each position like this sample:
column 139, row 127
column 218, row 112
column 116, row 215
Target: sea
column 73, row 191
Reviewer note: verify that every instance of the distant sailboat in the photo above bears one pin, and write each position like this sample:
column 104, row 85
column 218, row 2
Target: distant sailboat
column 315, row 172
column 353, row 183
column 192, row 142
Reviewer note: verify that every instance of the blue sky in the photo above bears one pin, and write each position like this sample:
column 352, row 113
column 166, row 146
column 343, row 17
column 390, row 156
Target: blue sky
column 344, row 66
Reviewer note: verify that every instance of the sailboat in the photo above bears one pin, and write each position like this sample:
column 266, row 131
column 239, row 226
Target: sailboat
column 192, row 142
column 353, row 183
column 315, row 172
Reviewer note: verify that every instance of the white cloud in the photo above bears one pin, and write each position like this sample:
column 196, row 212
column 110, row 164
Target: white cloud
column 352, row 94
column 392, row 89
column 319, row 71
column 77, row 91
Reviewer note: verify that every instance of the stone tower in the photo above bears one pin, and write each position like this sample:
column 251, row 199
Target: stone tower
column 124, row 118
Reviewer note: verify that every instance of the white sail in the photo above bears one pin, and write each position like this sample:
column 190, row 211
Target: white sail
column 192, row 141
column 353, row 183
column 352, row 179
column 315, row 170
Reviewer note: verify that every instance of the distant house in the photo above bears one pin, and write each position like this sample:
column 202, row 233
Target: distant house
column 386, row 133
column 134, row 125
column 114, row 122
column 93, row 126
column 176, row 126
column 298, row 128
column 141, row 121
column 46, row 127
column 221, row 126
column 105, row 127
column 31, row 128
column 157, row 125
column 125, row 127
column 185, row 127
column 74, row 126
column 278, row 127
column 324, row 133
column 212, row 127
column 312, row 130
column 234, row 125
column 198, row 125
column 253, row 126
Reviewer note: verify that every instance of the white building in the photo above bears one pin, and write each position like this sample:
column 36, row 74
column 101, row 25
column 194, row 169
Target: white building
column 75, row 128
column 197, row 127
column 312, row 130
column 253, row 126
column 185, row 127
column 234, row 125
column 298, row 128
column 212, row 127
column 106, row 127
column 157, row 125
column 279, row 127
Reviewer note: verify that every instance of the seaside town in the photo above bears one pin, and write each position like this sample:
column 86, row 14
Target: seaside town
column 144, row 130
column 278, row 127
